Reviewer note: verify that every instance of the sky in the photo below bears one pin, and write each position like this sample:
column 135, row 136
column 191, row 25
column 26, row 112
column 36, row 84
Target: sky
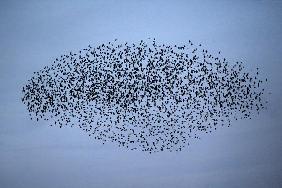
column 34, row 33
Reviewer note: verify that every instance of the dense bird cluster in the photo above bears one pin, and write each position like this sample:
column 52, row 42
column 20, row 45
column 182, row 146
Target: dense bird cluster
column 143, row 95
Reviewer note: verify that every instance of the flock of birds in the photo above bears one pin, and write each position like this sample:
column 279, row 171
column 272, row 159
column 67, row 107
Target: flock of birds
column 147, row 96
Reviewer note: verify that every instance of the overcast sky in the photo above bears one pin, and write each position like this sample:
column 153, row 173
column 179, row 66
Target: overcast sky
column 34, row 33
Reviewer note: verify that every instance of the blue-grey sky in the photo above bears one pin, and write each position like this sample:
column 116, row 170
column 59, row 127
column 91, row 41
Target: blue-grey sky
column 33, row 33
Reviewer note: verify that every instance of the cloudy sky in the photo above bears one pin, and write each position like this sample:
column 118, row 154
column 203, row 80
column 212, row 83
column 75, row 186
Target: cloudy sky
column 34, row 33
